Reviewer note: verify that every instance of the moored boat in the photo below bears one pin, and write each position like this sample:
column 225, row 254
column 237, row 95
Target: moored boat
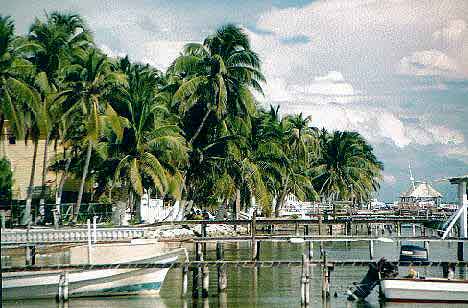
column 425, row 289
column 93, row 282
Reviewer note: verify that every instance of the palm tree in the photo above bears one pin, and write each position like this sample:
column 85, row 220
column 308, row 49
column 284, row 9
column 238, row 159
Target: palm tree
column 54, row 41
column 153, row 146
column 13, row 69
column 91, row 79
column 219, row 74
column 16, row 96
column 346, row 167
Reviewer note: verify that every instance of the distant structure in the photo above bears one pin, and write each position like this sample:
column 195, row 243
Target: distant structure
column 420, row 194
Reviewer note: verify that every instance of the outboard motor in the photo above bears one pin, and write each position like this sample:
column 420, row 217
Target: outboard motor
column 382, row 269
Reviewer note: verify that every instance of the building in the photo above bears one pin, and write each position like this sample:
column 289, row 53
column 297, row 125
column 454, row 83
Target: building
column 420, row 194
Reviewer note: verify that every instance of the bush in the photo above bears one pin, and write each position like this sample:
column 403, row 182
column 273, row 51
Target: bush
column 6, row 180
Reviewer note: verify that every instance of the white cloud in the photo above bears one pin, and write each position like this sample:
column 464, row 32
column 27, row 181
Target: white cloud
column 111, row 53
column 428, row 63
column 452, row 32
column 389, row 179
column 161, row 53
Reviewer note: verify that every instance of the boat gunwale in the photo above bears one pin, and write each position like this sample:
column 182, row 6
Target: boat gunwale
column 432, row 279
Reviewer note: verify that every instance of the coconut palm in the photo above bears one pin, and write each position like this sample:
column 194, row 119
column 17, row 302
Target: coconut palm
column 91, row 80
column 153, row 146
column 16, row 96
column 219, row 74
column 13, row 69
column 346, row 167
column 53, row 42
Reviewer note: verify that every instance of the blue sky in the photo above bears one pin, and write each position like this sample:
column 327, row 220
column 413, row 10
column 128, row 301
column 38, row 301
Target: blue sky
column 396, row 71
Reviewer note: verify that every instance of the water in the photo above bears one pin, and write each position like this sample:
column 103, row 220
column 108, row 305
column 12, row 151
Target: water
column 269, row 287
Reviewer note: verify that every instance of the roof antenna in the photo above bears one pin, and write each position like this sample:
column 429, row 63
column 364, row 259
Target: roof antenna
column 411, row 174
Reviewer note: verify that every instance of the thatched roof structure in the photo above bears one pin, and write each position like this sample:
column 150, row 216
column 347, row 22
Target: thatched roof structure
column 421, row 190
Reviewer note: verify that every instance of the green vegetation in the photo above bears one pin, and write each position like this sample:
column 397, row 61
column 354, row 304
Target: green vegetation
column 194, row 132
column 6, row 180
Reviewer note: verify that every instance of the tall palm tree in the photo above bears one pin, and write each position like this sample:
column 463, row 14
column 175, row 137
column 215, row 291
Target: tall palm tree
column 346, row 167
column 54, row 41
column 153, row 146
column 13, row 69
column 220, row 74
column 91, row 80
column 16, row 96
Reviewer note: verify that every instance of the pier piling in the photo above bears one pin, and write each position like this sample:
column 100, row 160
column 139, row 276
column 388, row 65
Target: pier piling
column 371, row 249
column 195, row 271
column 325, row 277
column 222, row 272
column 30, row 253
column 253, row 230
column 62, row 293
column 205, row 279
column 305, row 281
column 185, row 271
column 460, row 256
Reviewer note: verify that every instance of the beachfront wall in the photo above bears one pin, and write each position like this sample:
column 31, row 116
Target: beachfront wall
column 21, row 156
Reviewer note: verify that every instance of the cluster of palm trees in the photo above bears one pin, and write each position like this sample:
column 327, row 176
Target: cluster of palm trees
column 194, row 132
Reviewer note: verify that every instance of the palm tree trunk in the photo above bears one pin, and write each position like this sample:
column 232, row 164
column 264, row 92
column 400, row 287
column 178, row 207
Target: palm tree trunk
column 58, row 196
column 76, row 209
column 280, row 201
column 2, row 139
column 44, row 174
column 205, row 117
column 27, row 211
column 237, row 204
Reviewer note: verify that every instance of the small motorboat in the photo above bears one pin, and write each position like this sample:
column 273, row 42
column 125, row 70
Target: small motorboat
column 411, row 288
column 425, row 289
column 96, row 282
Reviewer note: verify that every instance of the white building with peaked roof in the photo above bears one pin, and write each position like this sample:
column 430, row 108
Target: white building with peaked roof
column 420, row 194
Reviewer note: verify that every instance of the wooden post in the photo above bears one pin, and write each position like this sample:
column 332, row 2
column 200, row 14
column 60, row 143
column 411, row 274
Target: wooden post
column 30, row 252
column 94, row 229
column 222, row 273
column 195, row 272
column 325, row 274
column 310, row 245
column 252, row 231
column 90, row 254
column 62, row 294
column 371, row 249
column 204, row 234
column 320, row 225
column 185, row 271
column 460, row 251
column 305, row 281
column 426, row 245
column 205, row 279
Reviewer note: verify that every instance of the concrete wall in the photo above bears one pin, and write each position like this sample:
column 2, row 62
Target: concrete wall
column 20, row 156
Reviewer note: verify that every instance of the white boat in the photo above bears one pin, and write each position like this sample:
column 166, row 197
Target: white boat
column 98, row 282
column 425, row 290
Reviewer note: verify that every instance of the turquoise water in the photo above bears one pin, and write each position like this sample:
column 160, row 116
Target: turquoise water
column 273, row 287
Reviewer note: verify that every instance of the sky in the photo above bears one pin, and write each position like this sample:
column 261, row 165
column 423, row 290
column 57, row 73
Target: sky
column 396, row 71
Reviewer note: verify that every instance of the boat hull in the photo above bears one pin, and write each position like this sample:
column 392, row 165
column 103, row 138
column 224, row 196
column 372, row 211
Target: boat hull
column 425, row 290
column 86, row 283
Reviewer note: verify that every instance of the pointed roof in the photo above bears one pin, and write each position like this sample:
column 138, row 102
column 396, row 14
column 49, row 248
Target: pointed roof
column 421, row 190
